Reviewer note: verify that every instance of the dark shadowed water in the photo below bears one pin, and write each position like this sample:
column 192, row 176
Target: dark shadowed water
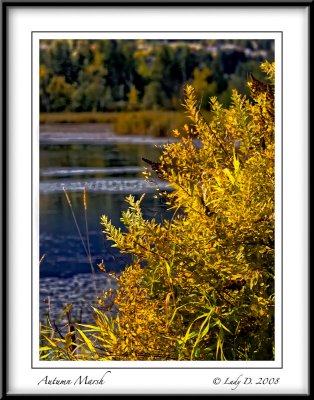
column 110, row 168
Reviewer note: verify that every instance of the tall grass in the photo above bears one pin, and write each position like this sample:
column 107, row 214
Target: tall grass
column 59, row 338
column 145, row 122
column 78, row 117
column 153, row 123
column 85, row 245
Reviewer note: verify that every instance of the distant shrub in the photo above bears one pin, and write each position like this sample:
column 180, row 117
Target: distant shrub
column 153, row 123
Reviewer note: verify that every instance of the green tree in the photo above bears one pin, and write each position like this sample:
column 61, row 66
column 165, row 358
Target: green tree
column 133, row 100
column 43, row 82
column 60, row 93
column 204, row 84
column 58, row 59
column 154, row 97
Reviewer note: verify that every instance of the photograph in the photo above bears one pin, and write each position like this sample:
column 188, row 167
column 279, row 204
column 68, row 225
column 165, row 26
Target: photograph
column 157, row 191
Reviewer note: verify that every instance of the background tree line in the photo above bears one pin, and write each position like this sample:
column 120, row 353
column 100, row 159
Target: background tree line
column 129, row 75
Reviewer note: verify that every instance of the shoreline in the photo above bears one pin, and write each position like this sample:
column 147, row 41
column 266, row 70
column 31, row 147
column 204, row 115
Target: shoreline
column 75, row 127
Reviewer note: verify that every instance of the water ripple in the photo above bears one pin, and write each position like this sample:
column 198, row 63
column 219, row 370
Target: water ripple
column 106, row 185
column 72, row 171
column 100, row 138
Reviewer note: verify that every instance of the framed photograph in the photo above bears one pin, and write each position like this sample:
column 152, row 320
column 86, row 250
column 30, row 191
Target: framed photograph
column 155, row 192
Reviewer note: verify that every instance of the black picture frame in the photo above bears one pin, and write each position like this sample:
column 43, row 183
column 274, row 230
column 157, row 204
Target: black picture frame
column 8, row 5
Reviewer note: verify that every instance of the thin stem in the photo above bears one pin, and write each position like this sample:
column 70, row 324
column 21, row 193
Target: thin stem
column 86, row 224
column 87, row 239
column 75, row 220
column 42, row 259
column 80, row 235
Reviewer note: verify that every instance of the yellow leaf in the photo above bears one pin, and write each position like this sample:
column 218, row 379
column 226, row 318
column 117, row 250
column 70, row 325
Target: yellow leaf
column 86, row 340
column 229, row 175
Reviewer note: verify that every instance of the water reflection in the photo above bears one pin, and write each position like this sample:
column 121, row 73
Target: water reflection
column 109, row 172
column 59, row 239
column 96, row 155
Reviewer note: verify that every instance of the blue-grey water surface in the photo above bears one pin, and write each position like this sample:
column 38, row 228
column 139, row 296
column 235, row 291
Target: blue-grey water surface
column 110, row 167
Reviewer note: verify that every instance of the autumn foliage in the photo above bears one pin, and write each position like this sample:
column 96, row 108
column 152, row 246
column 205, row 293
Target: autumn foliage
column 201, row 285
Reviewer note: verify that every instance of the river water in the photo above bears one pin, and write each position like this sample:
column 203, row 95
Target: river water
column 110, row 167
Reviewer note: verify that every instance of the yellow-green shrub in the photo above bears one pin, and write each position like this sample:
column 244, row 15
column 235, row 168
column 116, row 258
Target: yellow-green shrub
column 209, row 272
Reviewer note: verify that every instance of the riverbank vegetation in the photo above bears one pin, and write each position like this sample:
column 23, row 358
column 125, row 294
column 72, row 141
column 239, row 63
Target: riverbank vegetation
column 146, row 122
column 201, row 285
column 78, row 118
column 137, row 85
